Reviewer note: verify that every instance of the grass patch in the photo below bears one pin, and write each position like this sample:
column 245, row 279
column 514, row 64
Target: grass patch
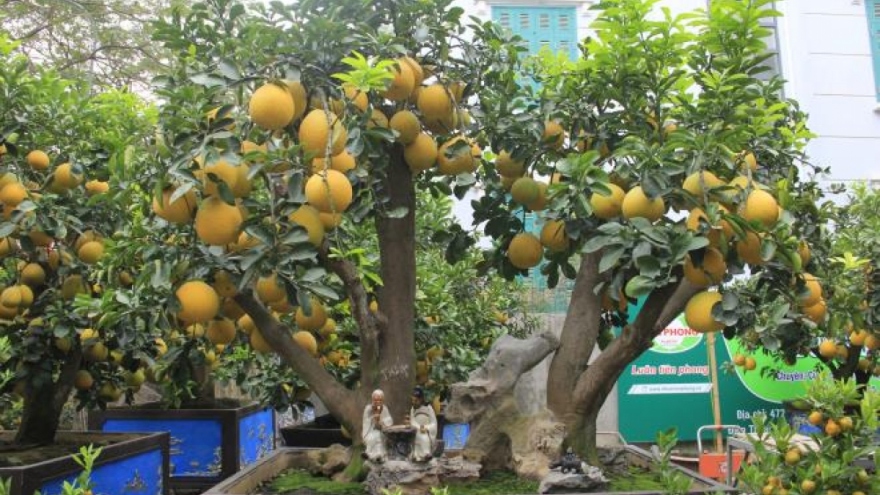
column 633, row 480
column 497, row 482
column 297, row 479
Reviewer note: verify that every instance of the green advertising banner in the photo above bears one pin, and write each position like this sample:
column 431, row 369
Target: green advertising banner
column 670, row 385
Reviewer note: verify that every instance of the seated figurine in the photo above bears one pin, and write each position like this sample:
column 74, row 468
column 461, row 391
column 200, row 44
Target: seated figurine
column 376, row 418
column 422, row 418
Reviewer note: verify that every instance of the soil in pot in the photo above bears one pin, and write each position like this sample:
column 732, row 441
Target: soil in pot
column 12, row 455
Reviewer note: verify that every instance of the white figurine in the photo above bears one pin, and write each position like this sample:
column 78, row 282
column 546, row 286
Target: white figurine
column 376, row 418
column 422, row 418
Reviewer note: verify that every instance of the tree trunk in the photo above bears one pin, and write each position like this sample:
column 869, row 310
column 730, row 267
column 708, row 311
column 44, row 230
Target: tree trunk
column 594, row 384
column 578, row 338
column 397, row 295
column 43, row 404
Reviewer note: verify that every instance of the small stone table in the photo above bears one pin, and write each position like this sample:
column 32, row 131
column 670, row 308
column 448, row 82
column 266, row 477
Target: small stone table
column 399, row 440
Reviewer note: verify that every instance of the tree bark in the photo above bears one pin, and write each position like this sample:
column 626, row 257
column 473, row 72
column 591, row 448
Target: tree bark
column 41, row 414
column 396, row 375
column 342, row 403
column 578, row 339
column 594, row 384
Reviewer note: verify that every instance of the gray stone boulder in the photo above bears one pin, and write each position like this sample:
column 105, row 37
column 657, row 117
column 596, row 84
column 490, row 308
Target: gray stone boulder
column 591, row 480
column 419, row 478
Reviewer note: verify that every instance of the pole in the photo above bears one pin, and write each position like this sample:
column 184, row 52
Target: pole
column 716, row 400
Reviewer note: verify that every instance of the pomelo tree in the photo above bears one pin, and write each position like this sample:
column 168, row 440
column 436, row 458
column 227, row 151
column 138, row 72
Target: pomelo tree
column 68, row 173
column 282, row 120
column 673, row 165
column 294, row 142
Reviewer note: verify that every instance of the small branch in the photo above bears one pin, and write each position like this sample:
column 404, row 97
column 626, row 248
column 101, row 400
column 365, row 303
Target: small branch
column 369, row 324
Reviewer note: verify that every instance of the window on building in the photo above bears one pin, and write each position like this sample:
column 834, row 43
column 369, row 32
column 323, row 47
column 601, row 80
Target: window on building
column 551, row 27
column 873, row 13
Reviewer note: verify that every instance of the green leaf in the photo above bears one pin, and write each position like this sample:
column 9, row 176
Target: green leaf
column 610, row 257
column 639, row 286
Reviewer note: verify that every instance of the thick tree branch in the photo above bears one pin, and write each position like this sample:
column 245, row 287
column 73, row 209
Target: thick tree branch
column 66, row 377
column 339, row 400
column 369, row 324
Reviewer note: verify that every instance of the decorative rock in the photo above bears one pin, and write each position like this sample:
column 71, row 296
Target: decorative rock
column 590, row 481
column 417, row 479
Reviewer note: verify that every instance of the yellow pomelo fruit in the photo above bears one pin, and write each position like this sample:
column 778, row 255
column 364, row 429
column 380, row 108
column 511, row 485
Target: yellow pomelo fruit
column 749, row 161
column 524, row 251
column 804, row 252
column 179, row 211
column 307, row 341
column 343, row 162
column 246, row 323
column 307, row 217
column 524, row 190
column 91, row 252
column 711, row 271
column 6, row 247
column 299, row 94
column 507, row 166
column 358, row 98
column 828, row 349
column 271, row 107
column 73, row 285
column 11, row 297
column 8, row 313
column 252, row 147
column 33, row 275
column 13, row 194
column 403, row 82
column 749, row 249
column 699, row 183
column 40, row 238
column 637, row 204
column 27, row 296
column 407, row 126
column 698, row 312
column 608, row 207
column 199, row 302
column 762, row 207
column 816, row 312
column 269, row 290
column 714, row 233
column 553, row 236
column 221, row 331
column 329, row 191
column 330, row 220
column 377, row 119
column 64, row 177
column 455, row 157
column 195, row 331
column 554, row 135
column 224, row 285
column 329, row 328
column 258, row 343
column 230, row 309
column 95, row 187
column 321, row 130
column 313, row 321
column 421, row 154
column 442, row 125
column 86, row 236
column 37, row 160
column 416, row 68
column 217, row 222
column 814, row 288
column 222, row 171
column 83, row 380
column 434, row 102
column 243, row 185
column 282, row 306
column 540, row 202
column 244, row 242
